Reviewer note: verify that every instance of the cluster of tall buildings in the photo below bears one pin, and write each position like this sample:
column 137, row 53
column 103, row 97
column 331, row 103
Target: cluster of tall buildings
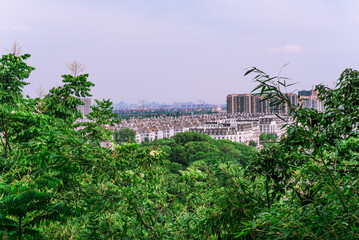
column 252, row 103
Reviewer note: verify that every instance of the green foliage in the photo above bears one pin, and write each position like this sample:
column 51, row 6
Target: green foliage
column 236, row 152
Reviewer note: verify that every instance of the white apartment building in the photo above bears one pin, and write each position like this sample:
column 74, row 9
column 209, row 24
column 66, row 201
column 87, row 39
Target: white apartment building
column 168, row 133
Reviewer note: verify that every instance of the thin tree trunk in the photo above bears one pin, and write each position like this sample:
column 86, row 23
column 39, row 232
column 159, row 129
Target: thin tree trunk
column 219, row 235
column 267, row 192
column 3, row 145
column 20, row 232
column 6, row 134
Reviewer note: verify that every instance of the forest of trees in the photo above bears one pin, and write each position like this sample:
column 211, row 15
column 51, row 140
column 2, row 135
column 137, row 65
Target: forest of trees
column 58, row 182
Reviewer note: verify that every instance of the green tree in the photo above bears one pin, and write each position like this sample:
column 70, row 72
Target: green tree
column 272, row 137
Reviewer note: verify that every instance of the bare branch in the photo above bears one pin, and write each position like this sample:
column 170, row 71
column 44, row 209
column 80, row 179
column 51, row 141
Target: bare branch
column 76, row 68
column 15, row 49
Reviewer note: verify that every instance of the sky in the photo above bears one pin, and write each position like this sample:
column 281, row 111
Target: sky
column 182, row 50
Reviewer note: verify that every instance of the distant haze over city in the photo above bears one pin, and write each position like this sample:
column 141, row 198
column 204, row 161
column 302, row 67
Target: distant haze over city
column 186, row 50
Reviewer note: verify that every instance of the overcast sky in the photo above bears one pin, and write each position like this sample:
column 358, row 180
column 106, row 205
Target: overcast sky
column 182, row 50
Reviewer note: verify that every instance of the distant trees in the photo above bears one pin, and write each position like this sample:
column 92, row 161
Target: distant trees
column 188, row 147
column 271, row 137
column 186, row 137
column 252, row 143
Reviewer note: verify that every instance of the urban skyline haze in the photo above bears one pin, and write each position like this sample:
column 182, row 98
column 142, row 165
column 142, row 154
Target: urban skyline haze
column 182, row 50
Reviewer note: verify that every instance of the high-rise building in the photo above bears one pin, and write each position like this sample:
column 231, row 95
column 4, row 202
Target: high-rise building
column 250, row 103
column 241, row 103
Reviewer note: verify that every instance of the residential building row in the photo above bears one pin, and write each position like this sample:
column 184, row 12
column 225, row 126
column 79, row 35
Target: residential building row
column 241, row 128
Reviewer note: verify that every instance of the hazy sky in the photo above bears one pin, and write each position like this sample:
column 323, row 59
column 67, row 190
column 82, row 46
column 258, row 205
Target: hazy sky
column 182, row 50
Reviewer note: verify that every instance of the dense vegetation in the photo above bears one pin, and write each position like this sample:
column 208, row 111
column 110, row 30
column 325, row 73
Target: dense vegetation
column 58, row 182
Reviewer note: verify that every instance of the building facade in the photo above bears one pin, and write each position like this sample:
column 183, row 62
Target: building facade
column 309, row 99
column 235, row 131
column 86, row 108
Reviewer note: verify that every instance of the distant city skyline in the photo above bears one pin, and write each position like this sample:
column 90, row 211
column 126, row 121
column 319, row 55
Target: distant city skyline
column 158, row 105
column 186, row 50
